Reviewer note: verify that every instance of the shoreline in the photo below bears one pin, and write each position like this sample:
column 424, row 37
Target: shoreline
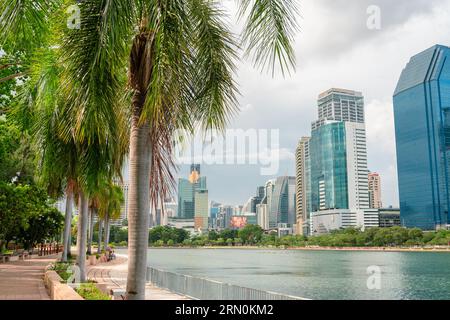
column 349, row 249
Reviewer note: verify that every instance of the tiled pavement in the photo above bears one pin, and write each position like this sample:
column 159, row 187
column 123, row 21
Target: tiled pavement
column 24, row 280
column 114, row 274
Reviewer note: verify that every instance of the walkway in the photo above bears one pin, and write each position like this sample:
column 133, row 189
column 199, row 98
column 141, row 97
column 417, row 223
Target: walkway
column 114, row 275
column 24, row 280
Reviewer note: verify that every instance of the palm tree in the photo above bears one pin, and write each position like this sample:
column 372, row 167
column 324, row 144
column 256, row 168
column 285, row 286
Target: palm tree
column 93, row 212
column 111, row 207
column 180, row 75
column 76, row 116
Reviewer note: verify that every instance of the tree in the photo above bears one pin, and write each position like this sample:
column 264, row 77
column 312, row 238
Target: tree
column 213, row 235
column 14, row 211
column 17, row 160
column 180, row 75
column 42, row 226
column 27, row 216
column 228, row 234
column 251, row 234
column 111, row 200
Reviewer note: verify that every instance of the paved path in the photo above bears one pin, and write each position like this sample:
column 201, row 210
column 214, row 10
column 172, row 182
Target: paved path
column 114, row 274
column 24, row 280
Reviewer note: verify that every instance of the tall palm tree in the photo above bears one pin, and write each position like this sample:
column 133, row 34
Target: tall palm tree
column 110, row 207
column 89, row 120
column 180, row 75
column 93, row 212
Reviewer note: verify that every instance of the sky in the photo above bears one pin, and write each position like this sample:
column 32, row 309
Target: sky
column 334, row 48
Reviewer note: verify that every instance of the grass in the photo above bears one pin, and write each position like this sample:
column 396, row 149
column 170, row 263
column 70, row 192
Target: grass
column 89, row 291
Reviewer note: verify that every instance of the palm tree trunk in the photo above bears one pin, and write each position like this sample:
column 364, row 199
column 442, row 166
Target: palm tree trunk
column 82, row 235
column 91, row 230
column 67, row 225
column 106, row 244
column 138, row 204
column 100, row 236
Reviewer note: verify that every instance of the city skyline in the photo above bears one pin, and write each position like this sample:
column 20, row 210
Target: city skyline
column 355, row 63
column 365, row 60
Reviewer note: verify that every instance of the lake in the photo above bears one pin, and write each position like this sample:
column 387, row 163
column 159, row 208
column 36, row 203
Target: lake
column 339, row 275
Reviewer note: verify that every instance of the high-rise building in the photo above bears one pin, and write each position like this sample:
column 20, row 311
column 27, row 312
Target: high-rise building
column 283, row 202
column 262, row 214
column 340, row 105
column 186, row 192
column 338, row 162
column 375, row 191
column 224, row 217
column 302, row 185
column 201, row 210
column 422, row 130
column 213, row 214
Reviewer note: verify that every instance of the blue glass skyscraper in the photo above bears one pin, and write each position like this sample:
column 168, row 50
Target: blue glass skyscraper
column 422, row 129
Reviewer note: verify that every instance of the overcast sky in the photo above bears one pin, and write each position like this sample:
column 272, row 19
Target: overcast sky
column 334, row 49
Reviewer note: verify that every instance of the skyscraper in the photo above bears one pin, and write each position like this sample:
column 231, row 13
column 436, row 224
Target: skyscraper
column 422, row 130
column 374, row 191
column 186, row 192
column 201, row 210
column 302, row 185
column 338, row 161
column 283, row 201
column 340, row 105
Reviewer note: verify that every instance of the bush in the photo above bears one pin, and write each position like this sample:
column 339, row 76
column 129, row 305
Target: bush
column 159, row 243
column 89, row 291
column 170, row 243
column 62, row 269
column 123, row 244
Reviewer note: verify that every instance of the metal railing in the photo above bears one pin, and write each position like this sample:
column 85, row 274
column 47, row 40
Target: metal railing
column 205, row 289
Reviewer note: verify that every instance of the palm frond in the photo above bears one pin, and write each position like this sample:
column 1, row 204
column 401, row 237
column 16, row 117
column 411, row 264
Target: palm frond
column 24, row 23
column 269, row 32
column 214, row 67
column 93, row 59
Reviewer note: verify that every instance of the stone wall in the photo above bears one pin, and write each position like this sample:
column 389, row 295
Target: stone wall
column 58, row 290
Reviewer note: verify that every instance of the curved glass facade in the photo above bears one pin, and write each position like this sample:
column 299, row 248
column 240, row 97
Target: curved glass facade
column 422, row 128
column 329, row 179
column 283, row 200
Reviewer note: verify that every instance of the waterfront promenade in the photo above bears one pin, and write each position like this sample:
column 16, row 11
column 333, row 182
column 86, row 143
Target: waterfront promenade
column 114, row 275
column 24, row 280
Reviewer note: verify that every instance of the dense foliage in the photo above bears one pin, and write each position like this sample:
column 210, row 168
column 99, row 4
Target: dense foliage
column 27, row 215
column 166, row 234
column 16, row 153
column 254, row 236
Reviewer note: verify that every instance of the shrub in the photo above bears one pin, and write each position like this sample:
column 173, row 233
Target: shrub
column 62, row 269
column 89, row 291
column 187, row 242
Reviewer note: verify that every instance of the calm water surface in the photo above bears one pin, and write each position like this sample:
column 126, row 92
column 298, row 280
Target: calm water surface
column 315, row 274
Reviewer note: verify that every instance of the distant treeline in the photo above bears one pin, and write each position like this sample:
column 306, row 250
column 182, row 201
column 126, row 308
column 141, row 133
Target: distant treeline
column 253, row 235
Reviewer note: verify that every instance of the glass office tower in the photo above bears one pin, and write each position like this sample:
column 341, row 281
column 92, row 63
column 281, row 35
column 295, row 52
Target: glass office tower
column 187, row 189
column 422, row 129
column 329, row 185
column 283, row 201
